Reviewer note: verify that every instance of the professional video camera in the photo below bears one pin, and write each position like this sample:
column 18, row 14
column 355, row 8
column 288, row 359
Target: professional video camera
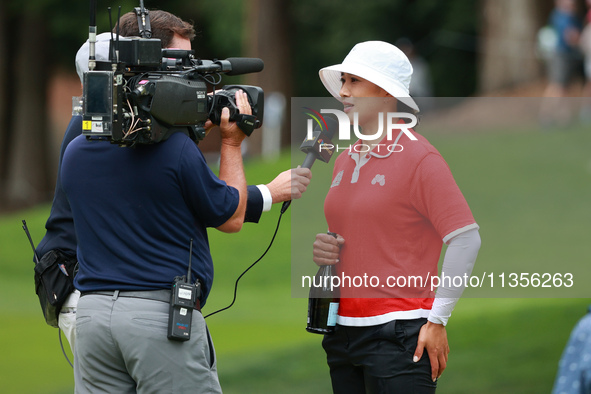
column 145, row 93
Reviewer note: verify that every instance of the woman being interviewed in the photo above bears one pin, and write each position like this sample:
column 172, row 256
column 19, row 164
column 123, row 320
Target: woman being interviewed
column 392, row 203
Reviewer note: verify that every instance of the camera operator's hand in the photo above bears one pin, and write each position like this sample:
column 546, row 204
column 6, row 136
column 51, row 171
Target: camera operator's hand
column 231, row 133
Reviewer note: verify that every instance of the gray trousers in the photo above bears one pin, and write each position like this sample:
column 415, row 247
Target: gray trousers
column 121, row 347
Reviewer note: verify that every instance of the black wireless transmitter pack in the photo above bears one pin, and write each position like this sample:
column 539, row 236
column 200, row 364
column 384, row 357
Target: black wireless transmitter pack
column 184, row 295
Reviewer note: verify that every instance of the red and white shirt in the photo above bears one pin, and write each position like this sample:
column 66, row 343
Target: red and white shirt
column 394, row 207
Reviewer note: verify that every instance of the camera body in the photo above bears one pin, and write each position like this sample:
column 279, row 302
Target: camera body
column 148, row 93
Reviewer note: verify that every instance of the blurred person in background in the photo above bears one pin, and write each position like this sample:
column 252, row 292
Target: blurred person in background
column 421, row 84
column 574, row 368
column 585, row 45
column 565, row 64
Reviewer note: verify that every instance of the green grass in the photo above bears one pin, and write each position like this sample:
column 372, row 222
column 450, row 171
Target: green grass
column 529, row 191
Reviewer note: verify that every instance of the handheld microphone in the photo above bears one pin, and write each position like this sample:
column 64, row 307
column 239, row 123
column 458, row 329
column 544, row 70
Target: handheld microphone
column 318, row 147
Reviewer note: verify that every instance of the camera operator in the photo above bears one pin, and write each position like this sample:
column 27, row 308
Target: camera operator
column 60, row 234
column 135, row 211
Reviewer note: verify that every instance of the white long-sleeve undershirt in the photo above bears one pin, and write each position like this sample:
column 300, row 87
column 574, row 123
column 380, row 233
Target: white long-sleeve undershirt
column 458, row 261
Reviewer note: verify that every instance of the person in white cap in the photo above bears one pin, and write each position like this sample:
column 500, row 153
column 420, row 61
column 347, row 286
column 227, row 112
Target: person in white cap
column 392, row 209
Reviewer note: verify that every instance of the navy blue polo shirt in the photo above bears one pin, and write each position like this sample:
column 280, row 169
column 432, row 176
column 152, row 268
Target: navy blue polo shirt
column 60, row 226
column 136, row 210
column 60, row 233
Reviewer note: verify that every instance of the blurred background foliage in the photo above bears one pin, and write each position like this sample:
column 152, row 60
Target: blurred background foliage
column 294, row 38
column 471, row 47
column 445, row 33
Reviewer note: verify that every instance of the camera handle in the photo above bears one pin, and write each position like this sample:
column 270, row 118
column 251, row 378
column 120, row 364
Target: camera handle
column 246, row 123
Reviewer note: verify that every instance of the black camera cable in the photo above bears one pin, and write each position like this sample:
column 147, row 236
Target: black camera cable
column 252, row 265
column 219, row 310
column 311, row 156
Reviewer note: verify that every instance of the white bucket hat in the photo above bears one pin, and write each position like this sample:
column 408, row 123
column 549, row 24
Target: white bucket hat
column 380, row 63
column 101, row 49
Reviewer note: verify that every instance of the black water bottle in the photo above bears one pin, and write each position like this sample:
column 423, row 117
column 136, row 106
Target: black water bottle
column 323, row 302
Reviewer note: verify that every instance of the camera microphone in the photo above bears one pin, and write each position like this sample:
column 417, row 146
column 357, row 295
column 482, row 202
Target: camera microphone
column 230, row 66
column 92, row 36
column 245, row 65
column 318, row 147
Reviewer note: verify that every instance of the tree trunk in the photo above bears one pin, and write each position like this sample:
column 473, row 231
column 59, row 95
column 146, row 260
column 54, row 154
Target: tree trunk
column 508, row 43
column 4, row 97
column 27, row 180
column 267, row 37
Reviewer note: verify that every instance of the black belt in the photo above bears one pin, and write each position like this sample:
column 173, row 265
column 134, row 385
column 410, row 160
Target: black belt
column 156, row 295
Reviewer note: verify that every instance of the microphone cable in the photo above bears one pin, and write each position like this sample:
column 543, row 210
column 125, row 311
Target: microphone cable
column 62, row 346
column 235, row 285
column 252, row 265
column 307, row 147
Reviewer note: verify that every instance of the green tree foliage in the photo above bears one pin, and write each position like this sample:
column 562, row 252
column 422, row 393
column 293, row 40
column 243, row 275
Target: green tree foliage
column 444, row 33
